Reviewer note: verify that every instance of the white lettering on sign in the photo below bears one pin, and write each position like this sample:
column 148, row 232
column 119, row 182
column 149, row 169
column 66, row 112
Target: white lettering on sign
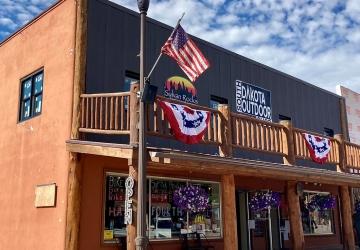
column 253, row 100
column 129, row 185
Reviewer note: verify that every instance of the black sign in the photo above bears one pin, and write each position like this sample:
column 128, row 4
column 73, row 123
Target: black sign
column 253, row 100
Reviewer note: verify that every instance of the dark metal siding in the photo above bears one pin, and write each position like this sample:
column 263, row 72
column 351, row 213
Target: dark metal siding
column 113, row 45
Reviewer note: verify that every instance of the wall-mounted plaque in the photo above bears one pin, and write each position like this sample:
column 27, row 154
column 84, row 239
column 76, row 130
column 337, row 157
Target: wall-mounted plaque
column 45, row 195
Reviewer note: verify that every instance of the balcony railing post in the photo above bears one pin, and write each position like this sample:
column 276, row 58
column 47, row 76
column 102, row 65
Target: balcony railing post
column 288, row 142
column 341, row 166
column 225, row 131
column 134, row 114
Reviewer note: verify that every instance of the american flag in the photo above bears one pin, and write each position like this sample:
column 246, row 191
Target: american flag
column 183, row 50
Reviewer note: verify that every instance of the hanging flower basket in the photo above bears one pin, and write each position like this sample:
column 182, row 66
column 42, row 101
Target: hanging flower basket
column 321, row 202
column 191, row 198
column 263, row 200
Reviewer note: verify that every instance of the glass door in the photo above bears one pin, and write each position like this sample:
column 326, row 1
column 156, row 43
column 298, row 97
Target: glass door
column 263, row 228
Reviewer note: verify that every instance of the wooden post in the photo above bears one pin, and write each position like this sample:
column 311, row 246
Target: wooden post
column 288, row 142
column 225, row 131
column 297, row 233
column 133, row 163
column 341, row 166
column 346, row 215
column 75, row 167
column 131, row 229
column 229, row 212
column 134, row 114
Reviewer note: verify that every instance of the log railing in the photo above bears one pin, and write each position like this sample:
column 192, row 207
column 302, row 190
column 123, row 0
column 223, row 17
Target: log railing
column 157, row 125
column 301, row 150
column 117, row 113
column 352, row 157
column 253, row 134
column 105, row 113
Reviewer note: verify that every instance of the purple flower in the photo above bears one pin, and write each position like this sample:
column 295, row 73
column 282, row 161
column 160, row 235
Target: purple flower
column 191, row 198
column 321, row 202
column 263, row 200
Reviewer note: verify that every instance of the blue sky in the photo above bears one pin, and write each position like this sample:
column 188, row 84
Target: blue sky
column 317, row 41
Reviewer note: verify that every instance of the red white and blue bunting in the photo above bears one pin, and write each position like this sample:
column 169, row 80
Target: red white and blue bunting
column 188, row 125
column 318, row 147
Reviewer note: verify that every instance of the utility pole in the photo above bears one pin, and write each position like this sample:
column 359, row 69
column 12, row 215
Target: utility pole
column 141, row 241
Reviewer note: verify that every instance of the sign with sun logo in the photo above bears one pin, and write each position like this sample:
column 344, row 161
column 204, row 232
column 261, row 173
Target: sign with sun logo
column 179, row 88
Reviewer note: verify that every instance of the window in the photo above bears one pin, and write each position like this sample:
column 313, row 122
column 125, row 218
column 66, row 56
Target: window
column 216, row 100
column 329, row 132
column 167, row 221
column 284, row 118
column 164, row 219
column 31, row 96
column 130, row 78
column 114, row 207
column 315, row 221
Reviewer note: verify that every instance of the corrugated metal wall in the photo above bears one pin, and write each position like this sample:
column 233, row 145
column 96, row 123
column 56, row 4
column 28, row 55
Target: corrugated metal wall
column 113, row 45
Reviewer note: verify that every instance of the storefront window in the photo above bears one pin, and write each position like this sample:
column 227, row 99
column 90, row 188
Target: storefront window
column 314, row 220
column 208, row 222
column 164, row 219
column 114, row 226
column 168, row 221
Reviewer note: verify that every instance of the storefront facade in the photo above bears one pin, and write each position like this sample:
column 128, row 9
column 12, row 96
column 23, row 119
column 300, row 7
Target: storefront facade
column 253, row 144
column 262, row 150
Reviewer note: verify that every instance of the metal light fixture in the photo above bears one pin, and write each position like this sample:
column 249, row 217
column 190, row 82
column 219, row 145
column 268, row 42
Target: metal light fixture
column 143, row 5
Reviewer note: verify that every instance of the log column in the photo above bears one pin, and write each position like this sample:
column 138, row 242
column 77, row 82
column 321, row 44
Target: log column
column 229, row 212
column 133, row 163
column 297, row 233
column 346, row 215
column 224, row 132
column 131, row 229
column 288, row 142
column 341, row 167
column 75, row 167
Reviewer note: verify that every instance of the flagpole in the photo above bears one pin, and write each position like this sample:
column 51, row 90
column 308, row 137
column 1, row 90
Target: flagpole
column 158, row 59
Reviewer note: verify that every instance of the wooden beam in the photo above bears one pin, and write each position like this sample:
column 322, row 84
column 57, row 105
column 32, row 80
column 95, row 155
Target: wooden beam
column 346, row 215
column 297, row 233
column 229, row 212
column 131, row 229
column 134, row 114
column 288, row 142
column 220, row 165
column 73, row 203
column 225, row 131
column 341, row 167
column 75, row 167
column 101, row 149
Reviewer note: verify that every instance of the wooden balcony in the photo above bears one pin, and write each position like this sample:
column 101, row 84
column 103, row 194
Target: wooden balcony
column 116, row 114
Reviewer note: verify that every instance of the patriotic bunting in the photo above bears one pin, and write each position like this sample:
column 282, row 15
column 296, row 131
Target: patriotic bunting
column 318, row 147
column 187, row 124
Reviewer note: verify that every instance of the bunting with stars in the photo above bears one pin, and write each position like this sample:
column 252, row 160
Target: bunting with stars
column 318, row 147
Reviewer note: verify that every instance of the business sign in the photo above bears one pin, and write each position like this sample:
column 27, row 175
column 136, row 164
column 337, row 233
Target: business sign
column 254, row 101
column 129, row 187
column 179, row 88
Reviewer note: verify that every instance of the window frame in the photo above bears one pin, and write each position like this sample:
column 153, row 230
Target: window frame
column 149, row 178
column 332, row 211
column 32, row 97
